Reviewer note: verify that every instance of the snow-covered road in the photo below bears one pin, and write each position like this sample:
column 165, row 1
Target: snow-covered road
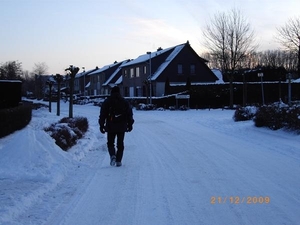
column 179, row 167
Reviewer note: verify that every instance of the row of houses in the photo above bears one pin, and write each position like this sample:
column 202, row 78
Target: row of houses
column 147, row 74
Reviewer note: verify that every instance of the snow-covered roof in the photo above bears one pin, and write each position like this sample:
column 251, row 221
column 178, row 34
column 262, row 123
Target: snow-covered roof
column 144, row 58
column 10, row 81
column 51, row 78
column 296, row 81
column 103, row 68
column 169, row 59
column 218, row 74
column 119, row 81
column 85, row 73
column 115, row 73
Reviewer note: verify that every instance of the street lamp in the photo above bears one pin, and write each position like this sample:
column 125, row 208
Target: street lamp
column 149, row 53
column 261, row 75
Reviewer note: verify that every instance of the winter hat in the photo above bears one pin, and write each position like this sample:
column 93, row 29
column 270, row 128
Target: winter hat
column 115, row 89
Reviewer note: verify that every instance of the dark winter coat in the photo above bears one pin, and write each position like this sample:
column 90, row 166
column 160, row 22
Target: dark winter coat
column 116, row 101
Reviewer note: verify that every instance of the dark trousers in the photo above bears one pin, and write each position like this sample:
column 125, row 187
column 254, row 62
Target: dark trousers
column 111, row 136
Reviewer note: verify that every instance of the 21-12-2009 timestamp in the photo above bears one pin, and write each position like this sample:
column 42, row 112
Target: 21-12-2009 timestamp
column 240, row 200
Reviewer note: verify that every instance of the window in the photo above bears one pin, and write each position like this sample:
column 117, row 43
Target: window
column 145, row 70
column 131, row 72
column 126, row 91
column 179, row 69
column 125, row 73
column 137, row 71
column 192, row 69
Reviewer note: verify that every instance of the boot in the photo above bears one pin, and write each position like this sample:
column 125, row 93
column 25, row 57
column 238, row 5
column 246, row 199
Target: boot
column 113, row 160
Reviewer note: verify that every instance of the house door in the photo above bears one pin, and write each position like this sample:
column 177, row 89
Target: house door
column 139, row 91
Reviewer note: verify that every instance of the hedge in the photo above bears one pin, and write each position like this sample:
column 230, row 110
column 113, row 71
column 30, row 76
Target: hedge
column 275, row 116
column 13, row 119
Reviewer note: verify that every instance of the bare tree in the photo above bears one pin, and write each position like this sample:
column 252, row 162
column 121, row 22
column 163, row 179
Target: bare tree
column 11, row 70
column 279, row 58
column 40, row 68
column 229, row 38
column 213, row 62
column 289, row 37
column 28, row 84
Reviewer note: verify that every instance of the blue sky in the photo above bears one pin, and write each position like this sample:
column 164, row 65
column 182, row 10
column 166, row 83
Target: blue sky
column 90, row 33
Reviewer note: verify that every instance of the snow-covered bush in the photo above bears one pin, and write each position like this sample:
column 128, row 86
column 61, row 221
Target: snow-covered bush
column 293, row 118
column 183, row 108
column 143, row 106
column 78, row 122
column 67, row 131
column 270, row 116
column 244, row 113
column 277, row 116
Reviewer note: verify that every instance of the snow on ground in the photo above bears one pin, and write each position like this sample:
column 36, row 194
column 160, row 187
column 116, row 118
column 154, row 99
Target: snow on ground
column 179, row 167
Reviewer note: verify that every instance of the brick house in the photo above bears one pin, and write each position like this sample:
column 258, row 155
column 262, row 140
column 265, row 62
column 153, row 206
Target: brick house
column 177, row 65
column 82, row 82
column 102, row 79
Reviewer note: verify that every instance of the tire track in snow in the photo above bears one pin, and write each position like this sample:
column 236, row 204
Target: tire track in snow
column 164, row 192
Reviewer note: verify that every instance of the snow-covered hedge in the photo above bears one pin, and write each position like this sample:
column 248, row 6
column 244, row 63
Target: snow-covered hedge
column 67, row 131
column 13, row 119
column 275, row 116
column 278, row 116
column 143, row 106
column 244, row 113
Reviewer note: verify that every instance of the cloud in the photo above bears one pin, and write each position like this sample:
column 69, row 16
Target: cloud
column 158, row 32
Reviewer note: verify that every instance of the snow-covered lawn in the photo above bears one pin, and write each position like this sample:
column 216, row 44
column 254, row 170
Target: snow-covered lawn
column 179, row 167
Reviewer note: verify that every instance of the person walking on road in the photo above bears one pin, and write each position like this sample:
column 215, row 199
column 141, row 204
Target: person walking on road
column 115, row 118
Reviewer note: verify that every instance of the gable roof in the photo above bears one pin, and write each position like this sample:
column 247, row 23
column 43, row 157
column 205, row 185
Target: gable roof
column 218, row 74
column 145, row 57
column 104, row 68
column 162, row 67
column 170, row 53
column 85, row 72
column 114, row 74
